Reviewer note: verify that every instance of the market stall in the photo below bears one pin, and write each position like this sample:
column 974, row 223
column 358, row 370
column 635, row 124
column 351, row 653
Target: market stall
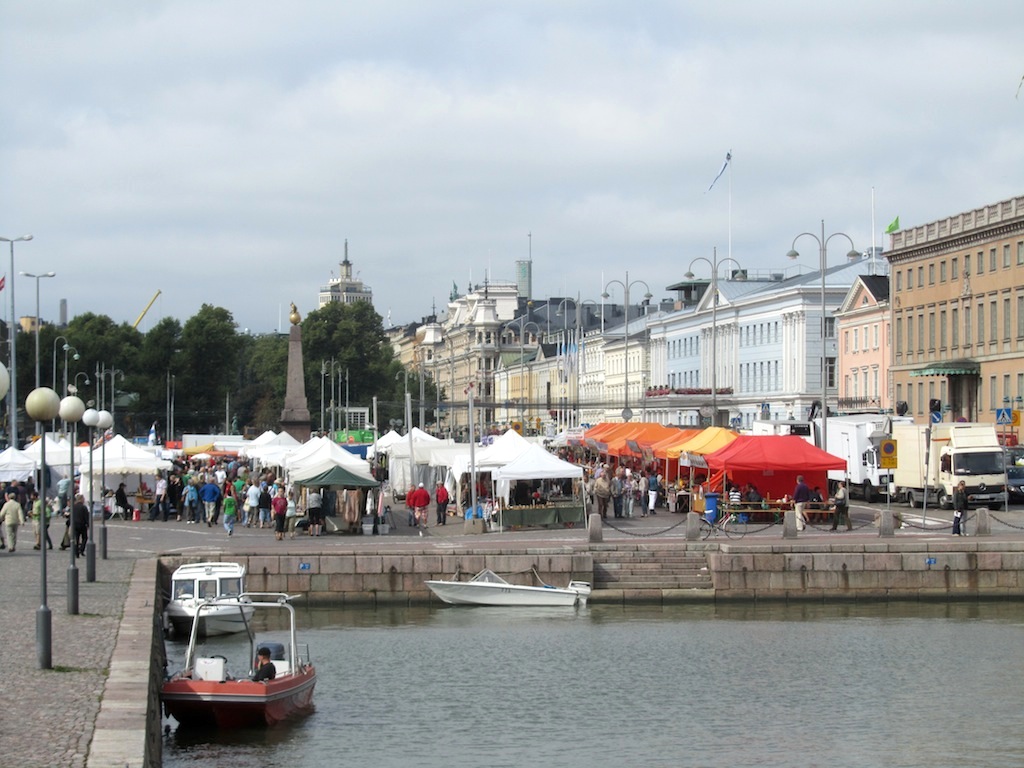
column 533, row 464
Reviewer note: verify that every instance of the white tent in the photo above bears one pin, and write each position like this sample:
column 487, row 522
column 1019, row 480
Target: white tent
column 270, row 448
column 122, row 458
column 58, row 454
column 17, row 465
column 505, row 448
column 537, row 464
column 384, row 442
column 323, row 456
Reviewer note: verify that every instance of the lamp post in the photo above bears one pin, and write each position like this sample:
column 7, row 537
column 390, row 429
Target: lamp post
column 577, row 350
column 714, row 263
column 37, row 278
column 73, row 388
column 823, row 253
column 43, row 405
column 627, row 414
column 13, row 404
column 101, row 375
column 104, row 421
column 523, row 322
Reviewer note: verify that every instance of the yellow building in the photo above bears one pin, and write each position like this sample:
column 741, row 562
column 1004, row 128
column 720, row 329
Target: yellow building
column 957, row 296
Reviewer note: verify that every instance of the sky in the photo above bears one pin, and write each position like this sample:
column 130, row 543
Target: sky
column 223, row 152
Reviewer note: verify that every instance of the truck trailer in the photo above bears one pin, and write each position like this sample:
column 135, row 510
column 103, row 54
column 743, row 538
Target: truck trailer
column 857, row 438
column 932, row 460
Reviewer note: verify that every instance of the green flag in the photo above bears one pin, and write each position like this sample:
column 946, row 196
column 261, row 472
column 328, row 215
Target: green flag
column 893, row 227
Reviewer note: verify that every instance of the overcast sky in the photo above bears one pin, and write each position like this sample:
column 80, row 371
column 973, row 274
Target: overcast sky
column 222, row 152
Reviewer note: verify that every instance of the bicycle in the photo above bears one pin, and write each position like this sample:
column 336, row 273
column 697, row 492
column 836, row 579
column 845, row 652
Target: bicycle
column 729, row 522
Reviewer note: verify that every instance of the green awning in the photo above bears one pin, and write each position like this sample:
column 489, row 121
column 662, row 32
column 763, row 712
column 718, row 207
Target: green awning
column 952, row 368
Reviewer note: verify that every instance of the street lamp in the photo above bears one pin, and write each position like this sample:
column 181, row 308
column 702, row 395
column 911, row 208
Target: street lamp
column 823, row 252
column 37, row 278
column 104, row 422
column 11, row 332
column 67, row 349
column 627, row 414
column 43, row 405
column 714, row 263
column 73, row 388
column 580, row 359
column 71, row 411
column 523, row 322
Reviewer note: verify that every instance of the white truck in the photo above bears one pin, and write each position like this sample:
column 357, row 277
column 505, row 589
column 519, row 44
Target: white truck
column 955, row 452
column 857, row 438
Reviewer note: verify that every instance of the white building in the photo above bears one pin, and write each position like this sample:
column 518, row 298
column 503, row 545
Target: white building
column 344, row 288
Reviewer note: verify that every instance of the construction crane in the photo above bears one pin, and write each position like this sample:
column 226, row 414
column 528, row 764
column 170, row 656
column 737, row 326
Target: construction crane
column 139, row 320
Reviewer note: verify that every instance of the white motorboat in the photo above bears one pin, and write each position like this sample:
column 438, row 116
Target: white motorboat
column 197, row 584
column 488, row 588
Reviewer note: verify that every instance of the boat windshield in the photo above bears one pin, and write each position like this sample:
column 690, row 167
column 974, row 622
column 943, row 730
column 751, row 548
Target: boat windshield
column 489, row 576
column 231, row 587
column 183, row 589
column 207, row 589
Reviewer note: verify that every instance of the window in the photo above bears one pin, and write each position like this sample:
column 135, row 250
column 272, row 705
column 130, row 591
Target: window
column 1006, row 256
column 1006, row 388
column 991, row 259
column 954, row 273
column 942, row 329
column 942, row 271
column 874, row 377
column 846, row 341
column 854, row 392
column 967, row 325
column 1006, row 319
column 980, row 265
column 981, row 323
column 1020, row 317
column 856, row 335
column 1020, row 253
column 830, row 327
column 954, row 319
column 910, row 335
column 991, row 392
column 920, row 332
column 920, row 277
column 899, row 282
column 931, row 274
column 931, row 331
column 993, row 322
column 875, row 345
column 899, row 335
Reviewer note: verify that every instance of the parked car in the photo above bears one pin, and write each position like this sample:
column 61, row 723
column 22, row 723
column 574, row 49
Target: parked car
column 1015, row 482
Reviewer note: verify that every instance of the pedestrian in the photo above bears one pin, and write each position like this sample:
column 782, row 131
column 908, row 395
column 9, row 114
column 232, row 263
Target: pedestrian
column 279, row 505
column 628, row 493
column 121, row 502
column 801, row 498
column 230, row 508
column 159, row 508
column 315, row 509
column 209, row 494
column 12, row 516
column 653, row 489
column 252, row 501
column 441, row 499
column 175, row 491
column 40, row 514
column 641, row 494
column 266, row 504
column 603, row 492
column 841, row 500
column 418, row 501
column 193, row 511
column 80, row 522
column 291, row 517
column 959, row 508
column 617, row 491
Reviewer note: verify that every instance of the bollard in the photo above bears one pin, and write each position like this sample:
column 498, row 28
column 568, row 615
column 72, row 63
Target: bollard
column 885, row 528
column 595, row 528
column 789, row 524
column 984, row 525
column 692, row 526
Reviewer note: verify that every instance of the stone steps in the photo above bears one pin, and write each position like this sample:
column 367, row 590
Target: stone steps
column 659, row 569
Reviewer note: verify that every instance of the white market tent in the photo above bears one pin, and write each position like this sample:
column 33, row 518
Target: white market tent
column 320, row 455
column 58, row 454
column 537, row 464
column 270, row 448
column 16, row 465
column 124, row 463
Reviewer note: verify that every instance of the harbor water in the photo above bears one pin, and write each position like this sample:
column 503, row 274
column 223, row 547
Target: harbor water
column 913, row 685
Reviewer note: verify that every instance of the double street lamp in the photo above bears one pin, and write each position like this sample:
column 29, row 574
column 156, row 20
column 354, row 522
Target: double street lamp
column 13, row 403
column 714, row 264
column 852, row 255
column 523, row 323
column 627, row 414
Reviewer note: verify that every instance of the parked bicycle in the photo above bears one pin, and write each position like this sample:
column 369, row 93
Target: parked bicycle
column 731, row 523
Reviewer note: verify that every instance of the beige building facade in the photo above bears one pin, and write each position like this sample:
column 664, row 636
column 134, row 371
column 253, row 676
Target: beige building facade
column 957, row 295
column 865, row 346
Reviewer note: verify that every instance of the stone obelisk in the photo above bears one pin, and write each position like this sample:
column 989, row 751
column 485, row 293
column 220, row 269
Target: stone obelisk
column 295, row 416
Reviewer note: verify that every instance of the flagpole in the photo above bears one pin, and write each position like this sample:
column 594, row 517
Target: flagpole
column 729, row 162
column 873, row 231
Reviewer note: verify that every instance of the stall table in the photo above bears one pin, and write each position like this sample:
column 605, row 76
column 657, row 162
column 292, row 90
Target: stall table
column 546, row 515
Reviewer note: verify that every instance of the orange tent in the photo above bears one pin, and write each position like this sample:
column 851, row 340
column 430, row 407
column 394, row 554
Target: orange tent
column 642, row 436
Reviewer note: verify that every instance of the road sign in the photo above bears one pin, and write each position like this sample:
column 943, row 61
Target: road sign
column 936, row 417
column 1004, row 416
column 887, row 454
column 1015, row 419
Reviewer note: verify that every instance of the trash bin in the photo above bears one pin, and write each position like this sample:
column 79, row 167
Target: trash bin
column 711, row 507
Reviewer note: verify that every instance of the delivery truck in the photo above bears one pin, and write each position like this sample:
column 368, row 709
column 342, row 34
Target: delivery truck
column 857, row 438
column 933, row 460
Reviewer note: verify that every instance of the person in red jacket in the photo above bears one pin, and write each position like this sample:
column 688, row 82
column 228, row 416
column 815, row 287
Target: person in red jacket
column 418, row 501
column 441, row 497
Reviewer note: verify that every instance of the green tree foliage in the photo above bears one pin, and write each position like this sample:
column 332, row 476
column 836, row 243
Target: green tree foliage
column 207, row 369
column 260, row 388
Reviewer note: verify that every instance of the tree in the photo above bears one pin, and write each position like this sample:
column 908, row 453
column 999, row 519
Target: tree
column 207, row 369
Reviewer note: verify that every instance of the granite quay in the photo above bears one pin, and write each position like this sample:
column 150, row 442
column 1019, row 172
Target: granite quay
column 99, row 702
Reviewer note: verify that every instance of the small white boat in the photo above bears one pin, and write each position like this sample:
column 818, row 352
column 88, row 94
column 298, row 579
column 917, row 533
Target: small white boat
column 199, row 583
column 488, row 588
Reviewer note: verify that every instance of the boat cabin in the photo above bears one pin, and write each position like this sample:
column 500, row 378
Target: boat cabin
column 205, row 581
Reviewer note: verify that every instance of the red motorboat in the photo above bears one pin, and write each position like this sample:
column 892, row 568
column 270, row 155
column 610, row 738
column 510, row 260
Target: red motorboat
column 205, row 694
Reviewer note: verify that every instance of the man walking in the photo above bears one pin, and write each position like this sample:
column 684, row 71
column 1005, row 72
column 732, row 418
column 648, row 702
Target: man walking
column 801, row 498
column 441, row 498
column 209, row 494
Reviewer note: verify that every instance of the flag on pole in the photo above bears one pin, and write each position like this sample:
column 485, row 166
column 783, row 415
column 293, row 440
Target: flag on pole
column 893, row 226
column 728, row 157
column 3, row 281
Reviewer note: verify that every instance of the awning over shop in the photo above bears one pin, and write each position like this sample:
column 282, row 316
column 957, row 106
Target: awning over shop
column 951, row 368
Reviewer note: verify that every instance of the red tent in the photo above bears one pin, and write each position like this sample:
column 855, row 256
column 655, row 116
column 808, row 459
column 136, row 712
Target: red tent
column 772, row 462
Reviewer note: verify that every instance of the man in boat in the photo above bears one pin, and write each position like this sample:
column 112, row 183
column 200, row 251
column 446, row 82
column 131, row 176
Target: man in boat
column 265, row 669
